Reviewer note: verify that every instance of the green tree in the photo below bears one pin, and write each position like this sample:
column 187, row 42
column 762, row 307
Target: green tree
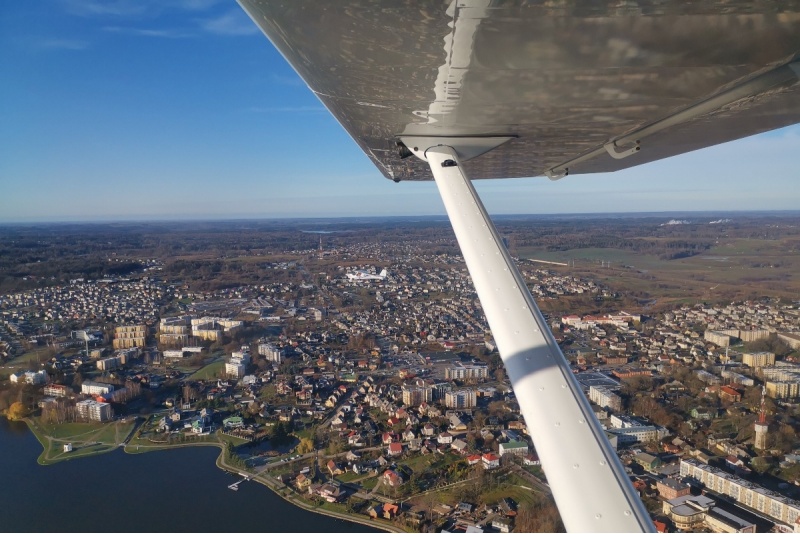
column 280, row 435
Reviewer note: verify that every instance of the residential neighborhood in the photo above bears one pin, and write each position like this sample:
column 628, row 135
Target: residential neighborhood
column 386, row 398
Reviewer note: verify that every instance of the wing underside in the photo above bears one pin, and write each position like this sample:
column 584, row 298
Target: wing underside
column 565, row 79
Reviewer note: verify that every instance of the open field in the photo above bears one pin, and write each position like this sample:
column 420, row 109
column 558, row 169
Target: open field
column 730, row 270
column 210, row 371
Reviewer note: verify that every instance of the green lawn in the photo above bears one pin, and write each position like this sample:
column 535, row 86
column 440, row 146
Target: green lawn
column 418, row 464
column 86, row 438
column 348, row 476
column 210, row 371
column 27, row 360
column 70, row 430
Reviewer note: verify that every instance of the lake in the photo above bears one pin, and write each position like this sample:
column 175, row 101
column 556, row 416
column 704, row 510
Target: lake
column 178, row 490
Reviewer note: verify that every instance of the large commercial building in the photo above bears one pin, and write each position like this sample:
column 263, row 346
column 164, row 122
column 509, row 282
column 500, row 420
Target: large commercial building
column 462, row 398
column 92, row 410
column 605, row 398
column 753, row 496
column 468, row 371
column 129, row 336
column 693, row 513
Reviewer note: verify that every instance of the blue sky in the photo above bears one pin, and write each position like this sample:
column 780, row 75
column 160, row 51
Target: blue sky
column 181, row 109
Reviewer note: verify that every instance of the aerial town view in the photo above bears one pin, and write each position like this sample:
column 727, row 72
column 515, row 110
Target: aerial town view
column 346, row 365
column 431, row 266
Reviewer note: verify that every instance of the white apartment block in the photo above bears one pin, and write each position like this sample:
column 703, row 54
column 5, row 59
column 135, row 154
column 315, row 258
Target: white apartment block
column 234, row 369
column 93, row 411
column 776, row 506
column 462, row 398
column 95, row 388
column 605, row 398
column 270, row 352
column 469, row 371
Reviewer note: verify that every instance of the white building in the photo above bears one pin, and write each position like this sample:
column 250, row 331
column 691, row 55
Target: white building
column 519, row 448
column 93, row 411
column 270, row 352
column 96, row 388
column 462, row 398
column 605, row 398
column 234, row 369
column 29, row 377
column 468, row 371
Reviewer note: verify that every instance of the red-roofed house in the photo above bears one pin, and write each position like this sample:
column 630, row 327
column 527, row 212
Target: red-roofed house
column 729, row 394
column 395, row 449
column 392, row 478
column 490, row 461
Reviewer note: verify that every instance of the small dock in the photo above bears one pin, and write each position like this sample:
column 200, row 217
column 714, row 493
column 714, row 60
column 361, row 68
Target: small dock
column 235, row 485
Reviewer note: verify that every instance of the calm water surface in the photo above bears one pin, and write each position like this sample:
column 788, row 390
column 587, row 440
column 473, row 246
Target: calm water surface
column 167, row 491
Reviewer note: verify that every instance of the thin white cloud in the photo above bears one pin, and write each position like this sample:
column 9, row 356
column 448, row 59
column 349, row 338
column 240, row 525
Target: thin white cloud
column 62, row 44
column 149, row 32
column 234, row 22
column 118, row 8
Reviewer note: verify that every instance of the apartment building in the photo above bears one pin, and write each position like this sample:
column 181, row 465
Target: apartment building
column 468, row 371
column 758, row 359
column 605, row 398
column 751, row 495
column 93, row 410
column 416, row 394
column 56, row 390
column 96, row 388
column 129, row 336
column 462, row 398
column 270, row 352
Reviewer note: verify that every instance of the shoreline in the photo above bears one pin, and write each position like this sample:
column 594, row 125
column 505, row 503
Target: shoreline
column 39, row 434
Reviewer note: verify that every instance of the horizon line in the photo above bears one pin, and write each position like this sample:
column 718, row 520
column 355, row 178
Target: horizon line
column 145, row 219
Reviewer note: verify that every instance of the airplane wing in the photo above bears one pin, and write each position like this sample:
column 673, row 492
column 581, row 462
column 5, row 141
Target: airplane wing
column 576, row 83
column 549, row 87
